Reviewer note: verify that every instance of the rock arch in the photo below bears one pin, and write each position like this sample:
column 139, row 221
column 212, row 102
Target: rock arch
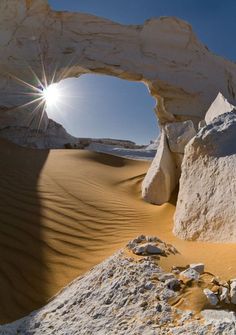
column 164, row 53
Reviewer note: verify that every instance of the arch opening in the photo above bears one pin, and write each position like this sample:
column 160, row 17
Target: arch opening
column 101, row 106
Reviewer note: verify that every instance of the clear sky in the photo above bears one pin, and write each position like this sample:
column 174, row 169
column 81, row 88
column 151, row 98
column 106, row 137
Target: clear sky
column 109, row 107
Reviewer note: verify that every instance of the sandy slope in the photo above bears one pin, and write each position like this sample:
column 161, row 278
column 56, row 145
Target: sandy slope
column 63, row 211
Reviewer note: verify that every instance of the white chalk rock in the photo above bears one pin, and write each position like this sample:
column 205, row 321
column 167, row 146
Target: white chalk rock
column 160, row 180
column 211, row 296
column 219, row 106
column 224, row 295
column 206, row 202
column 190, row 274
column 179, row 134
column 233, row 291
column 199, row 267
column 147, row 248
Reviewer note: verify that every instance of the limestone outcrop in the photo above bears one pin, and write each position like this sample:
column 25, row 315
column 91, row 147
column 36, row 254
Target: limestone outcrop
column 179, row 134
column 163, row 175
column 206, row 201
column 160, row 180
column 39, row 45
column 54, row 136
column 219, row 106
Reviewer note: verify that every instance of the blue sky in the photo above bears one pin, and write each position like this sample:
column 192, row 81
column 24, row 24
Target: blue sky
column 109, row 107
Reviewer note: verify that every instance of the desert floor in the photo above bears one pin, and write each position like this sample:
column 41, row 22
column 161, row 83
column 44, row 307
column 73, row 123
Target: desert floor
column 63, row 211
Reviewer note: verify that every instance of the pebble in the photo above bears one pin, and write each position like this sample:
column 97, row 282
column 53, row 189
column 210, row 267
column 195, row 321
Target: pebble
column 173, row 284
column 147, row 248
column 224, row 295
column 233, row 291
column 190, row 274
column 211, row 297
column 199, row 267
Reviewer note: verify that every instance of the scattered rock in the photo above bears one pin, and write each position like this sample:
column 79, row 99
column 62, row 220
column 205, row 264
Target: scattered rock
column 150, row 246
column 166, row 276
column 148, row 249
column 233, row 291
column 198, row 267
column 189, row 274
column 211, row 297
column 173, row 284
column 224, row 295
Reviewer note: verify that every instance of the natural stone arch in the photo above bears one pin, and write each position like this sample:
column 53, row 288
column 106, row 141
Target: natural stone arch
column 101, row 98
column 164, row 53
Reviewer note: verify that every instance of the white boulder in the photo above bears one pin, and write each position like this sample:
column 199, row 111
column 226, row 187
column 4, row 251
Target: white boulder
column 190, row 274
column 160, row 180
column 219, row 106
column 179, row 134
column 206, row 202
column 211, row 297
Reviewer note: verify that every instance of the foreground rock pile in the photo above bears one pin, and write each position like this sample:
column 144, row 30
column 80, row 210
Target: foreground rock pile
column 125, row 295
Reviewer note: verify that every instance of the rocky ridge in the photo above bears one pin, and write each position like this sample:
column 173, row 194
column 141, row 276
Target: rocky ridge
column 127, row 294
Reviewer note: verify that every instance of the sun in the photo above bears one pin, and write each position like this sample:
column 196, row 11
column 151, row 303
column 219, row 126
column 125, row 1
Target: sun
column 52, row 95
column 44, row 94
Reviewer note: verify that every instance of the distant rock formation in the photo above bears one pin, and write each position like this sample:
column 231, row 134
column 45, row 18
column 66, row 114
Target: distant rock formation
column 206, row 201
column 180, row 72
column 54, row 136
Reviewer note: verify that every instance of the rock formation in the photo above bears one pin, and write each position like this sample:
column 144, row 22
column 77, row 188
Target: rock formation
column 164, row 173
column 160, row 181
column 126, row 295
column 219, row 106
column 206, row 201
column 164, row 54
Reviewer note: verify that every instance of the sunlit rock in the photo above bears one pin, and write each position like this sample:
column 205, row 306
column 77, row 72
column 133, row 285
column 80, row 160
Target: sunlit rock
column 179, row 134
column 219, row 106
column 160, row 180
column 206, row 201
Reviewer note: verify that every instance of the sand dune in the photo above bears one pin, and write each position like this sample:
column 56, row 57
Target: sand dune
column 63, row 211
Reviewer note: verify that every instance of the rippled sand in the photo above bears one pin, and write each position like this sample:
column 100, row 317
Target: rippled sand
column 63, row 211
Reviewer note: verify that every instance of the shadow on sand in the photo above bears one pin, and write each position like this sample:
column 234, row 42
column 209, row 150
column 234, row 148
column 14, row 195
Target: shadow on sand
column 22, row 272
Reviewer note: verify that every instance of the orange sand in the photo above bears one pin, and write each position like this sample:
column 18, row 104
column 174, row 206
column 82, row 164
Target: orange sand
column 63, row 211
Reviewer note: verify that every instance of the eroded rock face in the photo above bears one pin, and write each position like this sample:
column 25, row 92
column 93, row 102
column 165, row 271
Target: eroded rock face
column 206, row 201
